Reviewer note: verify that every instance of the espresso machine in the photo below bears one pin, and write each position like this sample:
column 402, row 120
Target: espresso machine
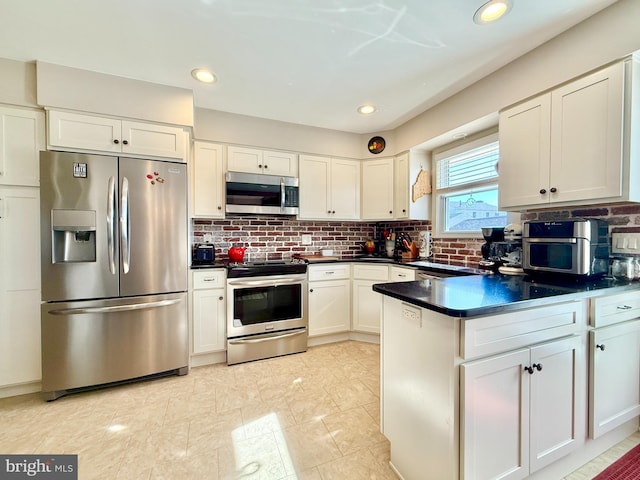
column 491, row 235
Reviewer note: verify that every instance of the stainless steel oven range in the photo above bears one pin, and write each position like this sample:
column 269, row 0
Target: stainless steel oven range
column 266, row 310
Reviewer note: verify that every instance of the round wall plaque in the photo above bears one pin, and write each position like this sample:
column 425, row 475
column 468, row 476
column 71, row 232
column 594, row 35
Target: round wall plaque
column 376, row 145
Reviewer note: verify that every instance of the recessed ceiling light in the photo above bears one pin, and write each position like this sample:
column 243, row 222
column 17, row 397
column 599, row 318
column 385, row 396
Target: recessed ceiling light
column 366, row 109
column 492, row 11
column 203, row 75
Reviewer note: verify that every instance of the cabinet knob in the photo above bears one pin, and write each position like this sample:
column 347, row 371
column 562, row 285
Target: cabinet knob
column 221, row 298
column 266, row 166
column 537, row 366
column 601, row 347
column 219, row 207
column 125, row 142
column 529, row 370
column 553, row 189
column 310, row 290
column 404, row 211
column 390, row 212
column 328, row 211
column 116, row 141
column 259, row 166
column 542, row 191
column 333, row 211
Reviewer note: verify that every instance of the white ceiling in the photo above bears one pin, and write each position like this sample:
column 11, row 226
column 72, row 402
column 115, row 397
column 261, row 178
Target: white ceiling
column 311, row 62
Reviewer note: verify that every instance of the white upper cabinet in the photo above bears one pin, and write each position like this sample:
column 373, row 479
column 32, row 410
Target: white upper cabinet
column 252, row 160
column 401, row 186
column 79, row 132
column 377, row 189
column 21, row 139
column 571, row 146
column 208, row 180
column 329, row 188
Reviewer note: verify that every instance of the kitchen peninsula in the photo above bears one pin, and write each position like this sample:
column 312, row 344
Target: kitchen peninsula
column 493, row 376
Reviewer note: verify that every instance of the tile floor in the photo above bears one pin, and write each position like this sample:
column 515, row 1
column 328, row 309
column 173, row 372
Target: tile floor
column 310, row 416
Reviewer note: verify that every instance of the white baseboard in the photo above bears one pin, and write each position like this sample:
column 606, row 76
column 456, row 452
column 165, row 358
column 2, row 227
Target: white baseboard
column 22, row 389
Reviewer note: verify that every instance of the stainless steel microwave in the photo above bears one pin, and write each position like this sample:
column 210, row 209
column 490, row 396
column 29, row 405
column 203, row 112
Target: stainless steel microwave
column 577, row 247
column 261, row 194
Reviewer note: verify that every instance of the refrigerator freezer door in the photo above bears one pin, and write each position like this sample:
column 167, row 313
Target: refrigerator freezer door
column 96, row 342
column 153, row 227
column 74, row 220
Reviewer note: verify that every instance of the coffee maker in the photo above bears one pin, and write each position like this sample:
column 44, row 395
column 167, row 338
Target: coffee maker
column 491, row 235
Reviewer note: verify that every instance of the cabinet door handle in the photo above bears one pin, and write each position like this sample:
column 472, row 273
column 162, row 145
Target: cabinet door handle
column 624, row 307
column 600, row 346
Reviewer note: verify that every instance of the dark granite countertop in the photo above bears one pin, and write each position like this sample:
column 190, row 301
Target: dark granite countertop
column 476, row 295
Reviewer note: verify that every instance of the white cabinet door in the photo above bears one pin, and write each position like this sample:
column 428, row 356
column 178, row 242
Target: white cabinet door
column 19, row 285
column 495, row 417
column 280, row 163
column 241, row 159
column 587, row 137
column 75, row 131
column 315, row 185
column 153, row 140
column 21, row 139
column 377, row 189
column 345, row 189
column 84, row 132
column 329, row 307
column 367, row 306
column 208, row 180
column 209, row 328
column 401, row 186
column 558, row 404
column 614, row 383
column 525, row 153
column 209, row 325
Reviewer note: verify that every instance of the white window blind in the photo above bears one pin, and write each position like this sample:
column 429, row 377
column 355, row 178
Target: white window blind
column 476, row 165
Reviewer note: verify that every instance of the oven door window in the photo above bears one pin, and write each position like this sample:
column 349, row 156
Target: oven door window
column 239, row 193
column 553, row 255
column 267, row 304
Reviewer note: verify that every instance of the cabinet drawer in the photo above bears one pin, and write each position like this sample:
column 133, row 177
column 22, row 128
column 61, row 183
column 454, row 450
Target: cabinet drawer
column 614, row 308
column 400, row 274
column 371, row 272
column 209, row 279
column 335, row 271
column 500, row 333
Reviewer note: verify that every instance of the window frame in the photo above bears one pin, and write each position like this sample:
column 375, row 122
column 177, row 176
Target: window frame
column 441, row 194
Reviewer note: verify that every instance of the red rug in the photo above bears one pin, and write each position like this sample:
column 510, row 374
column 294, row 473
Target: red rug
column 626, row 467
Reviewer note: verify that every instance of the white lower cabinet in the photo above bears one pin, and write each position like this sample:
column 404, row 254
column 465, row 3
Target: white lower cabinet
column 209, row 312
column 329, row 299
column 19, row 285
column 522, row 410
column 367, row 304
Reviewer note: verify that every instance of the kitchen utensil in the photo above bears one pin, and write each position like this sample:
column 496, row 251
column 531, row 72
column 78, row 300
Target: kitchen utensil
column 236, row 254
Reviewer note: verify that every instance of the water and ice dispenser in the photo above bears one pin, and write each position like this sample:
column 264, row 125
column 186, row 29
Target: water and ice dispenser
column 73, row 236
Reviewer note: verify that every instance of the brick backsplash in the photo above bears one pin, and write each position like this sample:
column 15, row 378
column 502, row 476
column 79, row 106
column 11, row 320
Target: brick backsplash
column 274, row 237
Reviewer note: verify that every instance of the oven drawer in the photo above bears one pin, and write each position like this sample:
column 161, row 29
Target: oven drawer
column 256, row 347
column 334, row 271
column 215, row 278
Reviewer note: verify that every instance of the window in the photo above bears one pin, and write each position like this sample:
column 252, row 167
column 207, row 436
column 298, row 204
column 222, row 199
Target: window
column 466, row 190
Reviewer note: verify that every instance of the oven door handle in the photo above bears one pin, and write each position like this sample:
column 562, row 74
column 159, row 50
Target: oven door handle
column 552, row 240
column 268, row 338
column 264, row 283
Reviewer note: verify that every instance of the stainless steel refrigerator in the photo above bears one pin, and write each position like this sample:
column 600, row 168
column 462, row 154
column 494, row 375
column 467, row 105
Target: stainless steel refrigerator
column 114, row 270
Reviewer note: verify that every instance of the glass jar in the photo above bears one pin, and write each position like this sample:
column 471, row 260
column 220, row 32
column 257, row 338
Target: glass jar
column 624, row 268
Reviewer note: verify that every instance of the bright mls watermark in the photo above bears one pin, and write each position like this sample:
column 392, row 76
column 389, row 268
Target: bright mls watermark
column 51, row 467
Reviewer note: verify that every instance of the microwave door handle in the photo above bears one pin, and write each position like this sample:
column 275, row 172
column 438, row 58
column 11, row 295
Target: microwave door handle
column 282, row 194
column 552, row 240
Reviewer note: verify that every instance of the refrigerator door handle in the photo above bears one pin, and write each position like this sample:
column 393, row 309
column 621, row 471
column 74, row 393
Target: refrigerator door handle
column 111, row 225
column 125, row 239
column 114, row 308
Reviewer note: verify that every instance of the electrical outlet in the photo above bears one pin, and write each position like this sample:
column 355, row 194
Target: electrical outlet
column 306, row 239
column 412, row 314
column 207, row 238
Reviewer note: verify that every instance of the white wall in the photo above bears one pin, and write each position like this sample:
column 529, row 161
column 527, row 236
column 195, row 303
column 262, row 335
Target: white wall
column 610, row 34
